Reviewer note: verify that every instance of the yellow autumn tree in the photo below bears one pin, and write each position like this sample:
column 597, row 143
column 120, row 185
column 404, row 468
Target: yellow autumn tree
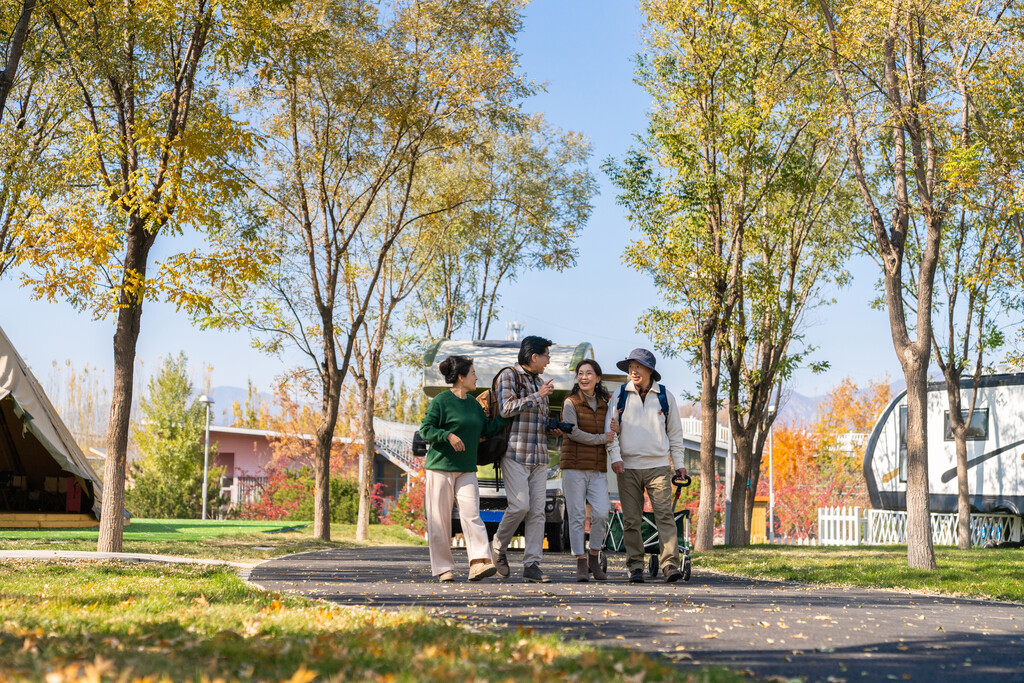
column 146, row 159
column 362, row 101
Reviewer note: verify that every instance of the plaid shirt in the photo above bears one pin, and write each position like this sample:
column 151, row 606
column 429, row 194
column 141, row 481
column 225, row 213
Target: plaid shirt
column 528, row 438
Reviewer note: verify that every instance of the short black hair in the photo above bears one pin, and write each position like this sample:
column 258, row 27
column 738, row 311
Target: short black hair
column 531, row 345
column 454, row 367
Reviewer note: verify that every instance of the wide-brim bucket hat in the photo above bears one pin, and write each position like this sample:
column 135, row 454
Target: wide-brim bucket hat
column 643, row 357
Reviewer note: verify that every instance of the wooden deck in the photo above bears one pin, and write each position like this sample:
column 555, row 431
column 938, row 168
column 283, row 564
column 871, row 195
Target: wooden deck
column 41, row 520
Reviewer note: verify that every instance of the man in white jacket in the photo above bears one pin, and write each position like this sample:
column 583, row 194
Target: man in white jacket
column 647, row 447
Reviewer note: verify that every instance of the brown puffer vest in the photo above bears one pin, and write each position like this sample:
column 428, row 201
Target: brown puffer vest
column 579, row 456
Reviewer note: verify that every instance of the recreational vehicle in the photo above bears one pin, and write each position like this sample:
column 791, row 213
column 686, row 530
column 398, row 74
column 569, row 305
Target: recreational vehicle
column 489, row 357
column 995, row 449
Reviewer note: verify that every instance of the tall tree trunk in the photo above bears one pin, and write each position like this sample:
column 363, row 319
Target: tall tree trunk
column 329, row 406
column 704, row 538
column 920, row 551
column 322, row 471
column 366, row 461
column 126, row 338
column 963, row 494
column 959, row 429
column 332, row 377
column 739, row 520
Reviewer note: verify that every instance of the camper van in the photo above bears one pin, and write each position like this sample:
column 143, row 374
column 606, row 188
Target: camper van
column 995, row 449
column 489, row 357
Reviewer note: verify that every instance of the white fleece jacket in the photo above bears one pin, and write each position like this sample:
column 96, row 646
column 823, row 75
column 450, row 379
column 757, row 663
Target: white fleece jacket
column 643, row 441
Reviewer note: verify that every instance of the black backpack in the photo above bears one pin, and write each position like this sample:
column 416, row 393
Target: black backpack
column 491, row 450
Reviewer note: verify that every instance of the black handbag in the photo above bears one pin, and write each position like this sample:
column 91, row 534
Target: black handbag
column 490, row 451
column 419, row 445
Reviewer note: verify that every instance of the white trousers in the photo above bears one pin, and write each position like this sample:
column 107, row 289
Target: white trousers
column 526, row 491
column 442, row 489
column 582, row 487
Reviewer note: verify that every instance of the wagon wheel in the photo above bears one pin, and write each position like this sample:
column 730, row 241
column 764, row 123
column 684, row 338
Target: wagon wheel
column 653, row 565
column 686, row 567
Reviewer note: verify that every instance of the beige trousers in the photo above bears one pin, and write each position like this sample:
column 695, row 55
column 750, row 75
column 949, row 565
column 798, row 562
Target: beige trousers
column 657, row 481
column 443, row 488
column 526, row 489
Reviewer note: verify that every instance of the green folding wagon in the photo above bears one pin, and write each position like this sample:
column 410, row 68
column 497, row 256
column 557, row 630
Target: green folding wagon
column 613, row 539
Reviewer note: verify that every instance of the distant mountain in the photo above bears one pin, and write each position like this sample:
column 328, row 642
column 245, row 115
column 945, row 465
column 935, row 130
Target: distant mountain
column 796, row 409
column 799, row 409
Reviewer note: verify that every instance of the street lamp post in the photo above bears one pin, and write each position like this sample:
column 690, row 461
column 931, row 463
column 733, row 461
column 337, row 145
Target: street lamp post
column 204, row 399
column 771, row 480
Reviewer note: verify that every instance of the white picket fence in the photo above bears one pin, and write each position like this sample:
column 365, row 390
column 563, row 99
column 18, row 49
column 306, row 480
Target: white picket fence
column 853, row 526
column 840, row 526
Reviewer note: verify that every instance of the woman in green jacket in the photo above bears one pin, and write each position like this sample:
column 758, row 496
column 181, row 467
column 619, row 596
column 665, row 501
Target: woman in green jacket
column 453, row 426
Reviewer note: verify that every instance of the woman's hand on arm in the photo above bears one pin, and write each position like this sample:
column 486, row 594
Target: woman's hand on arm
column 456, row 443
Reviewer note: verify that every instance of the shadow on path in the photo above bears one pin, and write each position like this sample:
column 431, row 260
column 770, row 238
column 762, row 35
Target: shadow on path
column 770, row 629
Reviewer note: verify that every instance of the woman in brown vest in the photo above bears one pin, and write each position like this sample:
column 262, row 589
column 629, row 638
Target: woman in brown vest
column 584, row 467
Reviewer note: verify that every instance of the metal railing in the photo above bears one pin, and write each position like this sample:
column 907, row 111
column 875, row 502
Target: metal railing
column 853, row 526
column 693, row 427
column 394, row 440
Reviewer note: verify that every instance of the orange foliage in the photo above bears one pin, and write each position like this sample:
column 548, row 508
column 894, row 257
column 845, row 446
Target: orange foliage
column 850, row 409
column 792, row 449
column 809, row 470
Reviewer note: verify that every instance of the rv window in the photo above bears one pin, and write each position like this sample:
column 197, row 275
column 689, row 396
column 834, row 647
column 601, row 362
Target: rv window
column 903, row 444
column 976, row 431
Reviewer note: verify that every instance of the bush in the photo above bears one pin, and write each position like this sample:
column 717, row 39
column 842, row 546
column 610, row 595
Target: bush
column 344, row 497
column 409, row 510
column 288, row 495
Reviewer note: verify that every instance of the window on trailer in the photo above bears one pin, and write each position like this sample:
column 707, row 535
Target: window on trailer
column 976, row 431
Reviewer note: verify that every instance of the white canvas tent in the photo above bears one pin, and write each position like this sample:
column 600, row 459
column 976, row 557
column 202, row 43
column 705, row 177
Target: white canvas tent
column 39, row 459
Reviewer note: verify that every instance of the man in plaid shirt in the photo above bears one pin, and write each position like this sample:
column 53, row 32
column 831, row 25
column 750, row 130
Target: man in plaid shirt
column 523, row 396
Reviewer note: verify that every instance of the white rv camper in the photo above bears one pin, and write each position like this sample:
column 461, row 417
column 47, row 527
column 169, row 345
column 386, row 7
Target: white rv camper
column 995, row 449
column 489, row 357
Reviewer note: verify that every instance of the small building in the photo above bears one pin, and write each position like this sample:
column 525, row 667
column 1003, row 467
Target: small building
column 245, row 454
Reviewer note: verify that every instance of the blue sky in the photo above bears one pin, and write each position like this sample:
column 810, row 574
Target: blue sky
column 583, row 51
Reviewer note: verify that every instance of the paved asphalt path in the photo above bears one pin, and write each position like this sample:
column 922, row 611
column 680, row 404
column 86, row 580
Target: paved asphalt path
column 767, row 628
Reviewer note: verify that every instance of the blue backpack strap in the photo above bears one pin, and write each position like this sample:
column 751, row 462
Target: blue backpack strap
column 663, row 400
column 620, row 404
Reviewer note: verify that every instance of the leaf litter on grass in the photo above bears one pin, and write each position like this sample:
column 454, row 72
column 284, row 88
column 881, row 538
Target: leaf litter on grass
column 138, row 622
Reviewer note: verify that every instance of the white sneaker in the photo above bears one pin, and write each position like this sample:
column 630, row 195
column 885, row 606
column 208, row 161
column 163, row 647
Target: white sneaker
column 481, row 570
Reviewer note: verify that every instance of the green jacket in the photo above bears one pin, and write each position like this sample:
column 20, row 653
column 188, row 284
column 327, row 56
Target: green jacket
column 449, row 414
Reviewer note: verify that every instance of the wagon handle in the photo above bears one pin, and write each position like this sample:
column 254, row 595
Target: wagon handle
column 679, row 483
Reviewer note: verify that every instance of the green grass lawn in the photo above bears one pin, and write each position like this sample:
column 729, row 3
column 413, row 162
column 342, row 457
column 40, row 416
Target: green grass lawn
column 123, row 622
column 993, row 573
column 240, row 541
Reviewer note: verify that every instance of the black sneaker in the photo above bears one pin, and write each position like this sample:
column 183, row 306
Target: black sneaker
column 533, row 573
column 500, row 562
column 672, row 574
column 636, row 575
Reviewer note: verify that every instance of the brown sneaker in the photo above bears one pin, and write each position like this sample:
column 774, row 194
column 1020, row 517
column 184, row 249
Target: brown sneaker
column 594, row 564
column 672, row 574
column 582, row 572
column 446, row 577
